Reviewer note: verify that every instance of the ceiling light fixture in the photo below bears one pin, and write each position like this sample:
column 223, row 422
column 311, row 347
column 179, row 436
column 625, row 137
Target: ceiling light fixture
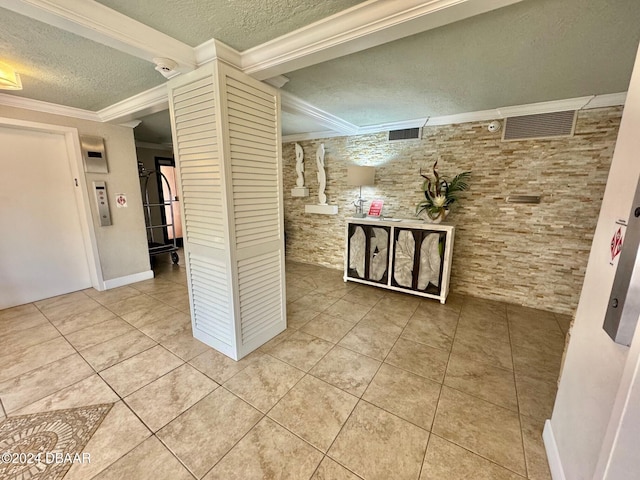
column 9, row 79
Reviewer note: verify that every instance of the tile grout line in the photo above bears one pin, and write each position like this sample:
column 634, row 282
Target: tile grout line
column 515, row 383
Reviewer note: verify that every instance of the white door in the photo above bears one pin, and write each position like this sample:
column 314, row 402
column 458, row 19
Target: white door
column 42, row 253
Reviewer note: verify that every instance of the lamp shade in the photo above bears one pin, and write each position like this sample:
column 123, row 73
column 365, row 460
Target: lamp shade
column 9, row 79
column 360, row 176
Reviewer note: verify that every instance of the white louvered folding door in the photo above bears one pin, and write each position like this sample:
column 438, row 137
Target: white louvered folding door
column 226, row 134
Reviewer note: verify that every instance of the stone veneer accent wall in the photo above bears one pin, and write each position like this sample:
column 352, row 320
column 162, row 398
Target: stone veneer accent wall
column 533, row 255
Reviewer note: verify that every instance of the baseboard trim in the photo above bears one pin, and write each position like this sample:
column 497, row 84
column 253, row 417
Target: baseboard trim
column 128, row 279
column 553, row 455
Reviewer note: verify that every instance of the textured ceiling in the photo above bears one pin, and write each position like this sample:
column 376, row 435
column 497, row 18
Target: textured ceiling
column 533, row 51
column 241, row 24
column 59, row 67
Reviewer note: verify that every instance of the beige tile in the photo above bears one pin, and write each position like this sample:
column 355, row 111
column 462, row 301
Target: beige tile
column 276, row 340
column 130, row 305
column 347, row 310
column 330, row 470
column 167, row 397
column 19, row 340
column 313, row 301
column 534, row 450
column 536, row 364
column 483, row 349
column 314, row 410
column 327, row 327
column 61, row 300
column 446, row 461
column 20, row 318
column 518, row 313
column 96, row 334
column 420, row 359
column 485, row 307
column 107, row 354
column 564, row 321
column 65, row 308
column 402, row 304
column 347, row 370
column 37, row 384
column 34, row 357
column 118, row 434
column 268, row 451
column 535, row 397
column 154, row 285
column 301, row 350
column 493, row 384
column 113, row 295
column 298, row 317
column 364, row 295
column 179, row 298
column 379, row 446
column 184, row 345
column 148, row 461
column 385, row 322
column 542, row 338
column 369, row 341
column 219, row 367
column 264, row 382
column 190, row 437
column 436, row 331
column 167, row 326
column 78, row 321
column 404, row 394
column 473, row 325
column 482, row 427
column 146, row 316
column 89, row 391
column 129, row 375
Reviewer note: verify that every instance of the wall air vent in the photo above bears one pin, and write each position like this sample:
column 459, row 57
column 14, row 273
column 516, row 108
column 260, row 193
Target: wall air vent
column 406, row 134
column 543, row 125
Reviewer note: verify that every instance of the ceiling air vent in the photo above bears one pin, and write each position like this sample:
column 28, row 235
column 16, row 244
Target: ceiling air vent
column 406, row 134
column 543, row 125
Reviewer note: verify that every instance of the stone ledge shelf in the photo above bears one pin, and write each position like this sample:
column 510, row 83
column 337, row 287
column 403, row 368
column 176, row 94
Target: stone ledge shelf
column 300, row 192
column 321, row 209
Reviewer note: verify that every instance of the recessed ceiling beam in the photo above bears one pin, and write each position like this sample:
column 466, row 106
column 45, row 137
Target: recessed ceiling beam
column 94, row 21
column 363, row 26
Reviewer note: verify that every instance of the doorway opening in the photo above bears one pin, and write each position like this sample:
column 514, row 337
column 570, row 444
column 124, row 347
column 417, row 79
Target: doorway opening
column 168, row 195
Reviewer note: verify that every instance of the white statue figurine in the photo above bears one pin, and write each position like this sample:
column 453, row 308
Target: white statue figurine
column 299, row 166
column 322, row 177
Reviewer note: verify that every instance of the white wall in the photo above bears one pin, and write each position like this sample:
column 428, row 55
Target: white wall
column 598, row 373
column 122, row 247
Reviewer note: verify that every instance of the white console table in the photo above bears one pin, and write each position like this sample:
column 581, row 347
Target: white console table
column 408, row 256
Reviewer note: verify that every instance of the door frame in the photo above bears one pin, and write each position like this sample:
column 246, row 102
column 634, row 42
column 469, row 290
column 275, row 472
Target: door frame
column 76, row 165
column 166, row 162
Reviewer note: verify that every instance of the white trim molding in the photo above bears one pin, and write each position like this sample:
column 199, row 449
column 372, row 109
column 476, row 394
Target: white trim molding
column 216, row 50
column 101, row 24
column 145, row 103
column 127, row 279
column 16, row 101
column 553, row 456
column 297, row 106
column 363, row 26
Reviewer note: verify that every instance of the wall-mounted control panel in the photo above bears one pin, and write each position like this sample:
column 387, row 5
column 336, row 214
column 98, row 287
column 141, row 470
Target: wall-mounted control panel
column 100, row 189
column 624, row 303
column 94, row 155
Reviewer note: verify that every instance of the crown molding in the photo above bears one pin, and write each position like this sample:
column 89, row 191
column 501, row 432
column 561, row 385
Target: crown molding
column 292, row 104
column 363, row 26
column 46, row 107
column 216, row 50
column 299, row 137
column 131, row 124
column 154, row 146
column 277, row 82
column 545, row 107
column 608, row 100
column 150, row 101
column 101, row 24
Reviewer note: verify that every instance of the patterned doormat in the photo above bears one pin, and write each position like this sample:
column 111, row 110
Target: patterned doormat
column 43, row 446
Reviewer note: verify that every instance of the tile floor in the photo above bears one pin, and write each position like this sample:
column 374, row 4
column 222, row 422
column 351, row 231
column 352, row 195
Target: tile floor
column 364, row 383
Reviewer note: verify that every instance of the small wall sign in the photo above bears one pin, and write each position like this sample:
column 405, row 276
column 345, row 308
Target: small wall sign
column 121, row 200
